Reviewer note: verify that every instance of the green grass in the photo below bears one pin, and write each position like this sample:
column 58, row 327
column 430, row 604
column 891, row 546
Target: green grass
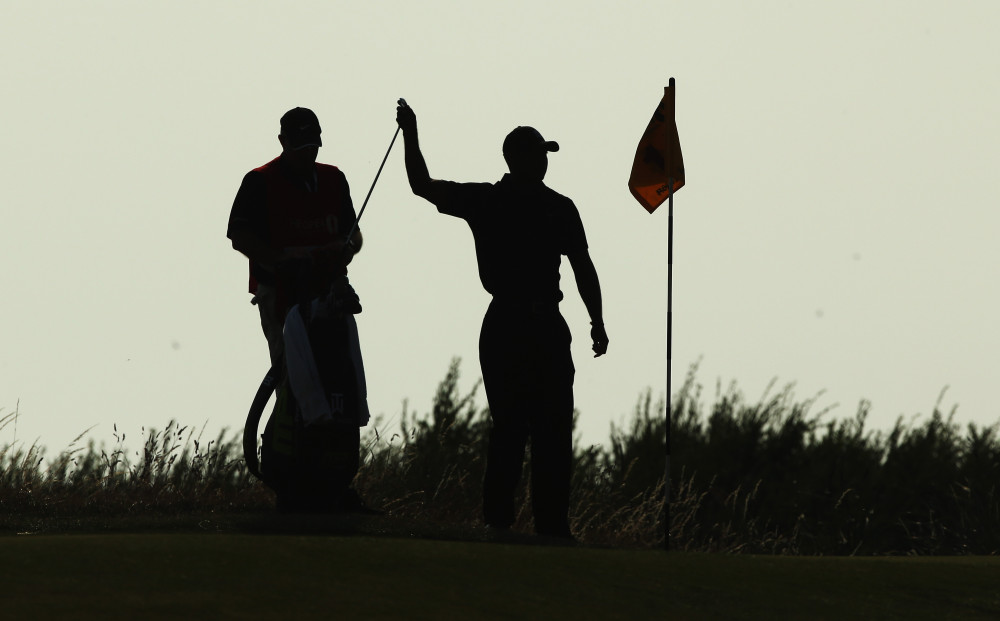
column 240, row 576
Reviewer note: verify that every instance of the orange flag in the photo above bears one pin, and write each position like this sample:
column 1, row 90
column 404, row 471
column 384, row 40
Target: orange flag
column 658, row 157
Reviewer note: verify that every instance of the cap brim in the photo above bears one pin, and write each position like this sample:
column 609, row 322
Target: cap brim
column 551, row 146
column 306, row 141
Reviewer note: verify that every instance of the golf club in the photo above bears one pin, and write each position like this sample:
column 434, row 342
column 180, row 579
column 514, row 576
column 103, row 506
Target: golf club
column 401, row 102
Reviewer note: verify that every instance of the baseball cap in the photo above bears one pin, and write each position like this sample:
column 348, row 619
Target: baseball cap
column 301, row 128
column 526, row 139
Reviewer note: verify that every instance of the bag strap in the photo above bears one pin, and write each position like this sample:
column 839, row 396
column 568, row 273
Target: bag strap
column 267, row 386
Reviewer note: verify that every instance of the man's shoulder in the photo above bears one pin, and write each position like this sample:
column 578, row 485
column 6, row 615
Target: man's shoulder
column 328, row 169
column 264, row 168
column 469, row 185
column 554, row 194
column 462, row 199
column 254, row 180
column 462, row 190
column 557, row 199
column 540, row 191
column 330, row 175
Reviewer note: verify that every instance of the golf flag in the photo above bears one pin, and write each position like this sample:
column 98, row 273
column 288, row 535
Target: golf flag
column 658, row 157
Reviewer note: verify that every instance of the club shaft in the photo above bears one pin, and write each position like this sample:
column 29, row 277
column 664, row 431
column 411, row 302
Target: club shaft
column 365, row 204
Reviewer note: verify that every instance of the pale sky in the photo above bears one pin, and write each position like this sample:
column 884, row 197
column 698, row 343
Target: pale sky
column 836, row 230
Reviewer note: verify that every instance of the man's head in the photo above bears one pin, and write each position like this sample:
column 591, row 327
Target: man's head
column 299, row 136
column 526, row 153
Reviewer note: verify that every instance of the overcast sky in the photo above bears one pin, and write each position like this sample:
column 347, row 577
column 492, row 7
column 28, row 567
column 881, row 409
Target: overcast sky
column 837, row 229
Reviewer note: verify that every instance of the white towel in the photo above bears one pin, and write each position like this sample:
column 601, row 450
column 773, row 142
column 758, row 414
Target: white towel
column 303, row 375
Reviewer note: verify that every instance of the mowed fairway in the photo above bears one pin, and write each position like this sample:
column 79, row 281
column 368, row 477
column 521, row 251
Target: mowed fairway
column 239, row 576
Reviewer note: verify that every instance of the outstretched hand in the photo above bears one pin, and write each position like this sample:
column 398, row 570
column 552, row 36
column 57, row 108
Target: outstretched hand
column 600, row 338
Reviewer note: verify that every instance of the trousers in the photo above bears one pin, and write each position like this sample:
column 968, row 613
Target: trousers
column 272, row 322
column 528, row 374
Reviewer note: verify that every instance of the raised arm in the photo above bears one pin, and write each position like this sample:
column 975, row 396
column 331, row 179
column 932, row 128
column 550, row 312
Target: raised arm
column 590, row 290
column 416, row 168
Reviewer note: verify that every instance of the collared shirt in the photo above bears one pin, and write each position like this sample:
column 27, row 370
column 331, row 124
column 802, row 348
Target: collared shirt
column 521, row 231
column 291, row 211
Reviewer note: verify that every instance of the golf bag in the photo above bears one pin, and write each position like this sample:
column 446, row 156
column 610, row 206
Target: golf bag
column 310, row 452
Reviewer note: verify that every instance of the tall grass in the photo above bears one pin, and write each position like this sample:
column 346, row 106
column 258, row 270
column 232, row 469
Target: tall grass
column 799, row 484
column 173, row 471
column 772, row 476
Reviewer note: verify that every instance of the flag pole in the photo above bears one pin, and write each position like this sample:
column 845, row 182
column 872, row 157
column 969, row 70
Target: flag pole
column 670, row 282
column 658, row 158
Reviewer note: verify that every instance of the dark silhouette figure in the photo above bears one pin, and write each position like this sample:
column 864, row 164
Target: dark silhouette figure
column 521, row 230
column 290, row 218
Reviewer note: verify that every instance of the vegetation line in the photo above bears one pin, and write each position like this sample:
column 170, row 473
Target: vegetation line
column 767, row 477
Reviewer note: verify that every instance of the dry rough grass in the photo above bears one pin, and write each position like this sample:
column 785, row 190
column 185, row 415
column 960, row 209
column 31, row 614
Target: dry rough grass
column 766, row 477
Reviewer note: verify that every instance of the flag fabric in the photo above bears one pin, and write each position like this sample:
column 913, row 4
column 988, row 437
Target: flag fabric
column 658, row 159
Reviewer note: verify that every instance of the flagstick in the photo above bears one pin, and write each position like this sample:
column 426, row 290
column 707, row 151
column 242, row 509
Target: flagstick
column 670, row 279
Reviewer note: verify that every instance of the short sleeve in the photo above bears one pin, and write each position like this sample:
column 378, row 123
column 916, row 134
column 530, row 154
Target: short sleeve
column 249, row 208
column 349, row 214
column 574, row 237
column 459, row 199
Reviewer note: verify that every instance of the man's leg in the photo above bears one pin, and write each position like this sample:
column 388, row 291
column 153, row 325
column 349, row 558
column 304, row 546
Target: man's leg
column 551, row 418
column 271, row 323
column 509, row 433
column 503, row 468
column 552, row 463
